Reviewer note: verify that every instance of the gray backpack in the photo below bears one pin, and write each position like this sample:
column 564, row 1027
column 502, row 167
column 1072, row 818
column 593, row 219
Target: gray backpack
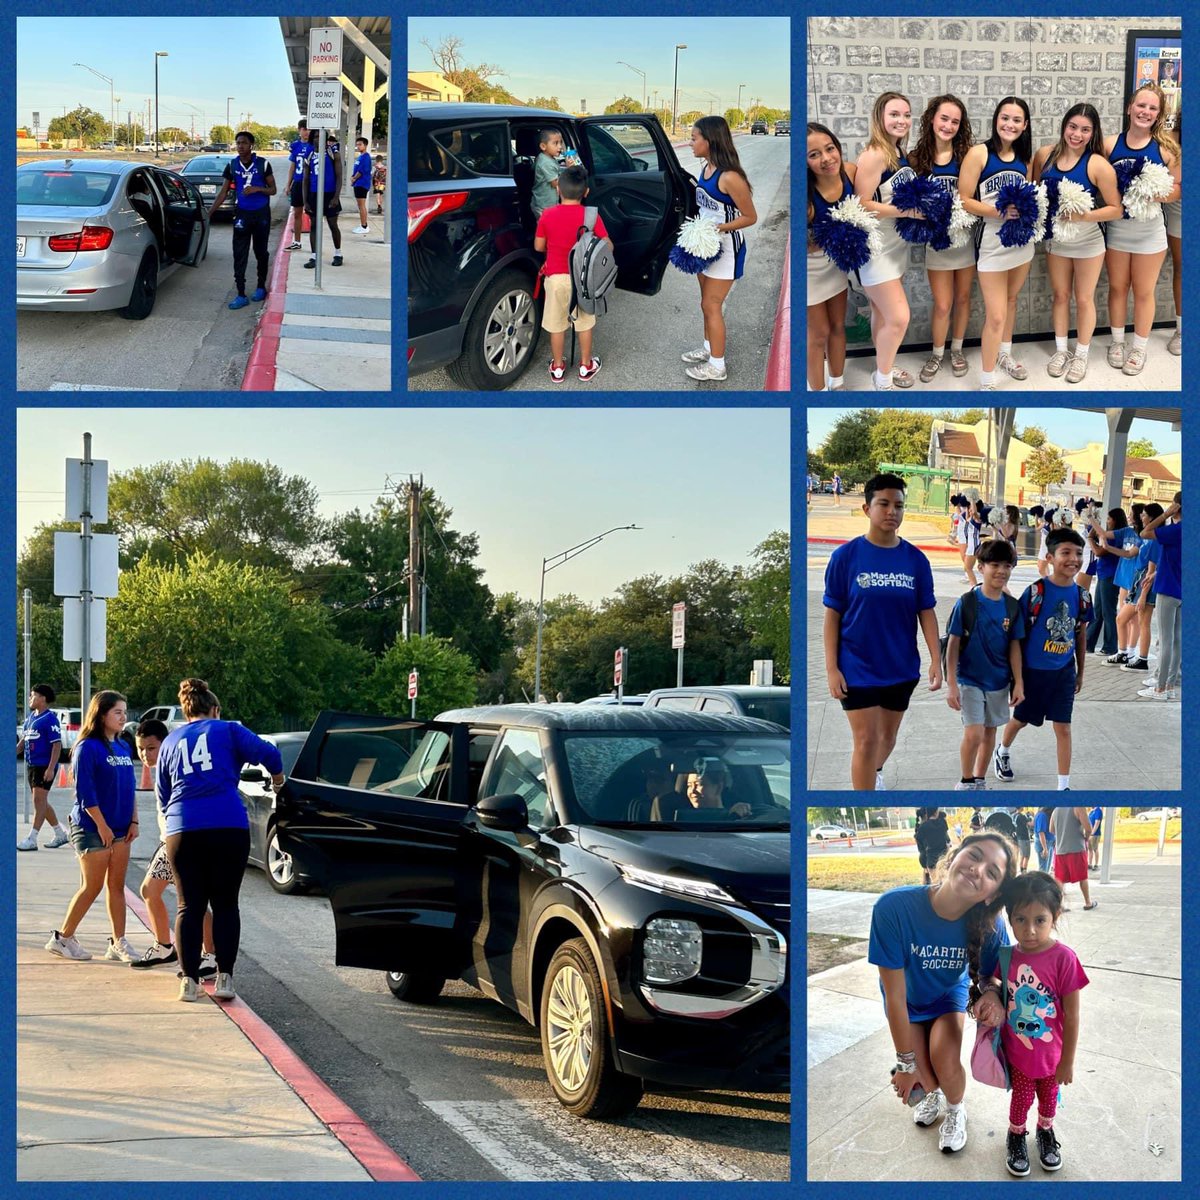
column 593, row 268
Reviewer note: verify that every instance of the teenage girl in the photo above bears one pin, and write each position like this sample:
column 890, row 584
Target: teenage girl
column 723, row 194
column 943, row 143
column 962, row 512
column 1039, row 1024
column 1136, row 249
column 1038, row 513
column 881, row 166
column 1173, row 216
column 1003, row 158
column 1078, row 155
column 974, row 528
column 830, row 180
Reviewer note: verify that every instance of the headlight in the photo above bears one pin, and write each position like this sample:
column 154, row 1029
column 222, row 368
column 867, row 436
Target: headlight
column 700, row 889
column 672, row 950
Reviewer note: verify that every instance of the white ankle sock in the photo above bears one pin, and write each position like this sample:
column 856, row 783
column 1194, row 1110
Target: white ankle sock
column 1139, row 343
column 1118, row 333
column 836, row 381
column 956, row 344
column 882, row 380
column 1005, row 348
column 1064, row 781
column 939, row 351
column 1178, row 321
column 707, row 347
column 1081, row 351
column 1060, row 344
column 719, row 363
column 987, row 377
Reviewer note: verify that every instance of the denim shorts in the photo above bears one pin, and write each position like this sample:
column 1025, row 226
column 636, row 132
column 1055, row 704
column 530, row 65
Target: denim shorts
column 87, row 840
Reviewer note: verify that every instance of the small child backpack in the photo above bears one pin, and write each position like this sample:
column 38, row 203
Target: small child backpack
column 593, row 268
column 970, row 610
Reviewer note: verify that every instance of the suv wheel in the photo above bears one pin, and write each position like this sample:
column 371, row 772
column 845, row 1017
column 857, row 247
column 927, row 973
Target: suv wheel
column 575, row 1046
column 500, row 336
column 145, row 289
column 416, row 989
column 281, row 870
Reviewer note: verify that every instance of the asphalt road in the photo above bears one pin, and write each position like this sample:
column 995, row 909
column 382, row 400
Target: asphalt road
column 191, row 341
column 640, row 338
column 458, row 1089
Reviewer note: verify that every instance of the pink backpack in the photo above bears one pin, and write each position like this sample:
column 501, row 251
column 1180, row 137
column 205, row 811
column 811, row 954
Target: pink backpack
column 988, row 1064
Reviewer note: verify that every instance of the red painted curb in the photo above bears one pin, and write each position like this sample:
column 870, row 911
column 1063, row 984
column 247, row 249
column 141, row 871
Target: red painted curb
column 260, row 366
column 377, row 1158
column 779, row 362
column 827, row 541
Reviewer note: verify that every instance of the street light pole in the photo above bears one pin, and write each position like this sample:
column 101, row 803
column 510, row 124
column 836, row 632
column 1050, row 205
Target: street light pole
column 227, row 100
column 548, row 564
column 112, row 112
column 739, row 103
column 157, row 55
column 675, row 102
column 622, row 63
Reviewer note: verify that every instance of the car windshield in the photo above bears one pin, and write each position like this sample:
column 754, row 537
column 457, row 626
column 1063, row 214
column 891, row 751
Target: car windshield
column 205, row 166
column 680, row 780
column 65, row 189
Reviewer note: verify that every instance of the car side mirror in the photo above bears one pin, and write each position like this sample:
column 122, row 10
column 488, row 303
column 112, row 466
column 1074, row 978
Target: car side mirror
column 252, row 775
column 503, row 812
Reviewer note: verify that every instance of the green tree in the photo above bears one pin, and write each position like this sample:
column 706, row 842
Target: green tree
column 690, row 117
column 273, row 659
column 446, row 678
column 1045, row 466
column 847, row 447
column 1032, row 435
column 221, row 133
column 624, row 104
column 900, row 435
column 81, row 122
column 35, row 565
column 768, row 607
column 46, row 663
column 1140, row 448
column 551, row 102
column 734, row 117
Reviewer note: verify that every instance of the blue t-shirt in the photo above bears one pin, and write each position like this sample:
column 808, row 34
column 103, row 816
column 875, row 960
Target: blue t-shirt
column 1041, row 824
column 40, row 731
column 362, row 171
column 255, row 174
column 1168, row 580
column 1094, row 816
column 299, row 154
column 103, row 779
column 1050, row 645
column 198, row 768
column 907, row 934
column 1149, row 552
column 879, row 592
column 984, row 663
column 1123, row 575
column 331, row 148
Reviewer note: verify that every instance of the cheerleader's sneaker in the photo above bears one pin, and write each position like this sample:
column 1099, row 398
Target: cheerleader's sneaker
column 958, row 363
column 1077, row 369
column 932, row 366
column 1058, row 364
column 1011, row 367
column 1116, row 355
column 695, row 356
column 705, row 371
column 1135, row 360
column 902, row 379
column 928, row 1111
column 952, row 1136
column 1175, row 345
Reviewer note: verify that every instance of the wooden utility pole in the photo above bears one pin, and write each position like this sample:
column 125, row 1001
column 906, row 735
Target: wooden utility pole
column 415, row 486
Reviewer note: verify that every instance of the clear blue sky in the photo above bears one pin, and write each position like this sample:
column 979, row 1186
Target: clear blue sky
column 1066, row 427
column 209, row 58
column 704, row 483
column 576, row 58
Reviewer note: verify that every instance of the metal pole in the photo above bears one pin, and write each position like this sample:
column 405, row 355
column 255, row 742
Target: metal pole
column 679, row 668
column 387, row 191
column 1162, row 833
column 85, row 587
column 319, row 215
column 537, row 660
column 227, row 100
column 156, row 149
column 675, row 94
column 27, row 599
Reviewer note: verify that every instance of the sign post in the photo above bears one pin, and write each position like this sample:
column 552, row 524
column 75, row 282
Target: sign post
column 678, row 617
column 413, row 682
column 27, row 621
column 619, row 663
column 324, row 111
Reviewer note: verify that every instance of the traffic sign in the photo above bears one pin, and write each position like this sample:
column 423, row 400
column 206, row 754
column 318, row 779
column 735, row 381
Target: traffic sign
column 68, row 564
column 619, row 667
column 73, row 510
column 324, row 103
column 678, row 615
column 324, row 53
column 413, row 679
column 73, row 630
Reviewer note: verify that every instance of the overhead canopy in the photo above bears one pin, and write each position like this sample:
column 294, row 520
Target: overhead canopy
column 378, row 30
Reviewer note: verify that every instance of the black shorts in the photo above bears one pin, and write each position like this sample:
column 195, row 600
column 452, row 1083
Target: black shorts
column 894, row 697
column 297, row 193
column 333, row 205
column 360, row 193
column 1049, row 696
column 37, row 776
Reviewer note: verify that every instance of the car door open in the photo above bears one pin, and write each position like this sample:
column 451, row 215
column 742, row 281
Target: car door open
column 373, row 813
column 185, row 219
column 642, row 192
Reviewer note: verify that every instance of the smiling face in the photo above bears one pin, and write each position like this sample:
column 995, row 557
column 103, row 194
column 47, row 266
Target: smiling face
column 114, row 720
column 977, row 871
column 705, row 791
column 946, row 121
column 1032, row 925
column 897, row 119
column 1077, row 133
column 1143, row 110
column 1065, row 559
column 824, row 158
column 995, row 574
column 1010, row 123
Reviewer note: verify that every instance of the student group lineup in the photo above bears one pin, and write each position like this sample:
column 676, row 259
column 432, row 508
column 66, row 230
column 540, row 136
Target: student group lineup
column 1109, row 203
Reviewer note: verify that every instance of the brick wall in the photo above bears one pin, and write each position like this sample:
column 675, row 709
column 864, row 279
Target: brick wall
column 1050, row 63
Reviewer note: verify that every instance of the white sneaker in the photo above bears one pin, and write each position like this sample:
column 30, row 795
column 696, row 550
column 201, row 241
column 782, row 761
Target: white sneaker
column 208, row 966
column 695, row 356
column 705, row 371
column 66, row 947
column 119, row 950
column 880, row 786
column 189, row 990
column 224, row 989
column 30, row 842
column 362, row 230
column 61, row 838
column 953, row 1134
column 929, row 1109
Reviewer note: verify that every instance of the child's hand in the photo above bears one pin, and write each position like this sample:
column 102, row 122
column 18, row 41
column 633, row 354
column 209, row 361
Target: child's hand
column 1078, row 682
column 1017, row 695
column 837, row 685
column 935, row 674
column 989, row 1010
column 952, row 696
column 1065, row 1072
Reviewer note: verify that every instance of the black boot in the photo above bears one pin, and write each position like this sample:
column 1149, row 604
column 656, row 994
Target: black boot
column 1048, row 1149
column 1018, row 1154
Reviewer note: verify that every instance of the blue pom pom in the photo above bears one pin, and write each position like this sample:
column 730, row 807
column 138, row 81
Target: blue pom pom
column 1023, row 197
column 845, row 245
column 1127, row 171
column 923, row 194
column 688, row 263
column 1052, row 201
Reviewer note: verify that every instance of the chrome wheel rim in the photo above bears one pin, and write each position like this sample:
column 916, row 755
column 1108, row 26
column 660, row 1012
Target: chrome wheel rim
column 569, row 1029
column 278, row 863
column 509, row 334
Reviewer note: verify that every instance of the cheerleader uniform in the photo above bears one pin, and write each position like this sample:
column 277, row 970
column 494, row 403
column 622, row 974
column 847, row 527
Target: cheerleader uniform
column 892, row 262
column 991, row 254
column 1137, row 237
column 956, row 256
column 1173, row 216
column 824, row 279
column 1091, row 243
column 717, row 206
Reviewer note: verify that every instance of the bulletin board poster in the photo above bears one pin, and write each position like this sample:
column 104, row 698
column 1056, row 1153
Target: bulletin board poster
column 1155, row 56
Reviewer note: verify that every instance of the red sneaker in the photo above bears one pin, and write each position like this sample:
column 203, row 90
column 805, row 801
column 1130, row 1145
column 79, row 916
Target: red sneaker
column 587, row 372
column 558, row 371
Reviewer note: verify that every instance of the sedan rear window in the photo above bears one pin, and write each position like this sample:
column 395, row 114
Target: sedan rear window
column 459, row 153
column 205, row 166
column 65, row 189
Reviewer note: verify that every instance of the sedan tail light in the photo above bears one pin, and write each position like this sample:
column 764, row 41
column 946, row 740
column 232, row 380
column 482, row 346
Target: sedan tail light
column 90, row 237
column 422, row 210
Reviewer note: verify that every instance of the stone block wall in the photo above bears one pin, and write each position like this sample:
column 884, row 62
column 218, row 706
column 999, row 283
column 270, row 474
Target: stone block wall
column 1051, row 63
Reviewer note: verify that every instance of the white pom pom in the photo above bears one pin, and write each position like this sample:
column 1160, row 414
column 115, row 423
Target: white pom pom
column 1043, row 207
column 1152, row 185
column 852, row 212
column 699, row 236
column 961, row 222
column 1073, row 200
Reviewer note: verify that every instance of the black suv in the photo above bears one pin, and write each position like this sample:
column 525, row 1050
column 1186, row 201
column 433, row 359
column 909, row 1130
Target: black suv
column 471, row 262
column 745, row 700
column 758, row 127
column 783, row 128
column 571, row 862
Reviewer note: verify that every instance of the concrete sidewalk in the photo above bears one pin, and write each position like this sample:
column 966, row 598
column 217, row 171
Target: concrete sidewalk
column 336, row 338
column 1127, row 1089
column 117, row 1080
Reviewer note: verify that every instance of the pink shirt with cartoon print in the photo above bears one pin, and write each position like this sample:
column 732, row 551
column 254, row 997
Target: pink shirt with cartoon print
column 1032, row 1032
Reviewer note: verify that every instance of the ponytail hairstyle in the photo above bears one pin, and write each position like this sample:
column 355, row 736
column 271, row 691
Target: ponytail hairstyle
column 1023, row 146
column 880, row 139
column 196, row 699
column 1137, row 515
column 822, row 131
column 1094, row 146
column 1163, row 136
column 1013, row 513
column 100, row 705
column 922, row 158
column 1034, row 887
column 721, row 154
column 982, row 917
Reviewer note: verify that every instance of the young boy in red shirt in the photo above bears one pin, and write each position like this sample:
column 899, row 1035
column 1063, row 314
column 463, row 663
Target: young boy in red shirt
column 557, row 231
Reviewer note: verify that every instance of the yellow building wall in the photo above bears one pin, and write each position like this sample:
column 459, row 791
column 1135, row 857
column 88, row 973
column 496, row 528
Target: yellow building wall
column 448, row 93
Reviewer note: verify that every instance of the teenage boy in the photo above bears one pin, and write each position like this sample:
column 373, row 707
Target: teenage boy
column 1056, row 612
column 360, row 181
column 253, row 184
column 298, row 155
column 41, row 739
column 983, row 653
column 557, row 230
column 878, row 589
column 333, row 203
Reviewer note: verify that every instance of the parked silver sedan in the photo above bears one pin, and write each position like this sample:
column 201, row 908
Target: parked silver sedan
column 97, row 234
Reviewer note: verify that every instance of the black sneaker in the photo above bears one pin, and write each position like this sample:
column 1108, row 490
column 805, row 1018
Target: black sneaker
column 1117, row 660
column 1135, row 664
column 337, row 261
column 1048, row 1149
column 157, row 954
column 1001, row 767
column 1018, row 1155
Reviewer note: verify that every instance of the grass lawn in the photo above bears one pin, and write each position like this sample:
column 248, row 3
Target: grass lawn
column 863, row 872
column 827, row 950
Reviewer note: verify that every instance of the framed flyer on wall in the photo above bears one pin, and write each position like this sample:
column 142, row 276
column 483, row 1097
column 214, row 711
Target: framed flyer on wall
column 1155, row 56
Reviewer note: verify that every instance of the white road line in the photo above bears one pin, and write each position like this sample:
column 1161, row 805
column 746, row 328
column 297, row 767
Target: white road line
column 92, row 387
column 518, row 1136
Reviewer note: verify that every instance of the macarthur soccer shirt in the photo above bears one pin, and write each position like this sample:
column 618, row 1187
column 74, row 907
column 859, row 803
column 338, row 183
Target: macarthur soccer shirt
column 879, row 592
